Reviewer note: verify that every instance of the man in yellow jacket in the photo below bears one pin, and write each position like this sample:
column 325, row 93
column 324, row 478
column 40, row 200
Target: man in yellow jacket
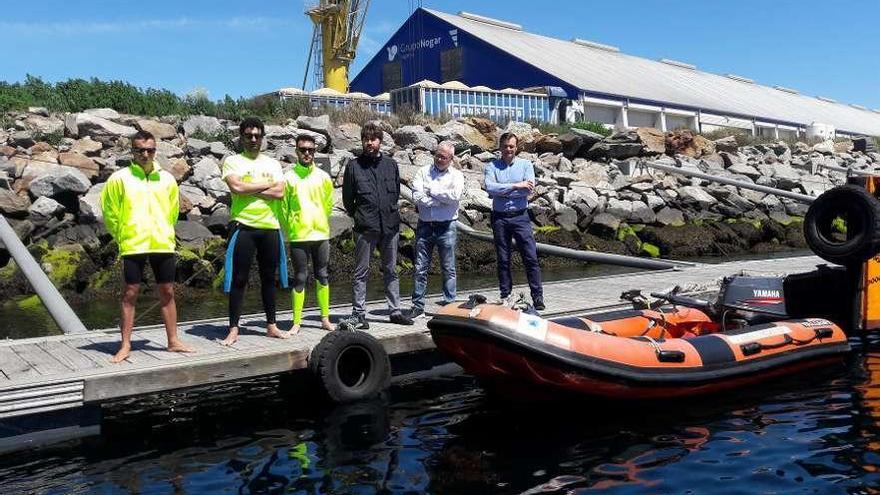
column 305, row 219
column 140, row 206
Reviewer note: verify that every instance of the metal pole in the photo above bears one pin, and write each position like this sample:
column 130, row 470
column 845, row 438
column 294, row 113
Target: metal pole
column 57, row 306
column 803, row 198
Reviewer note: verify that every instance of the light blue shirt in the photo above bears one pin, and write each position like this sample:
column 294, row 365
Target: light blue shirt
column 499, row 179
column 437, row 194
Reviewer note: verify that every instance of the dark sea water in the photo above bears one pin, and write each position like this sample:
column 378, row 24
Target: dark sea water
column 814, row 433
column 444, row 435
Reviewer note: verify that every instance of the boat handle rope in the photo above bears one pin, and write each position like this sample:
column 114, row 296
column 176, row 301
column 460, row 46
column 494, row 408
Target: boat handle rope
column 751, row 348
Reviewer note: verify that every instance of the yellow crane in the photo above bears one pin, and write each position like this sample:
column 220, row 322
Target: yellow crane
column 336, row 32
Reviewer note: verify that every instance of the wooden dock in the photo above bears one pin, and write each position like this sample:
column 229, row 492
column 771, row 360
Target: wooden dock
column 46, row 374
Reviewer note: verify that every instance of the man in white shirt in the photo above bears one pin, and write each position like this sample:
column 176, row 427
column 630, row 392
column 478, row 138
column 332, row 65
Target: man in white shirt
column 437, row 191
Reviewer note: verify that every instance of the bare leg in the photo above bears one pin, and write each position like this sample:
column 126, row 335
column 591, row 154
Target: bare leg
column 169, row 317
column 129, row 297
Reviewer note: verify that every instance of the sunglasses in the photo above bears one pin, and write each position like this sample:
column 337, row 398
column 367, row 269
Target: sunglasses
column 144, row 150
column 252, row 136
column 306, row 150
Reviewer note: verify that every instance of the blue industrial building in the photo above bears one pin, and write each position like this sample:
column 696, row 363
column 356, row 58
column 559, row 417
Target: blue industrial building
column 601, row 84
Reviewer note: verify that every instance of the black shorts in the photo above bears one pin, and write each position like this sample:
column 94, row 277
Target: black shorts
column 163, row 265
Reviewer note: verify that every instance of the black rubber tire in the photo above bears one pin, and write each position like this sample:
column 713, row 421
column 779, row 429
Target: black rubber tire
column 350, row 366
column 862, row 214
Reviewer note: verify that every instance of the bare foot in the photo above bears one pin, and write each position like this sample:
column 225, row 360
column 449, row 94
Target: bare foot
column 293, row 330
column 272, row 331
column 231, row 338
column 121, row 354
column 179, row 346
column 325, row 324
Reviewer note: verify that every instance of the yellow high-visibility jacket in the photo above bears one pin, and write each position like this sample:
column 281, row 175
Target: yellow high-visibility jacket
column 140, row 210
column 308, row 200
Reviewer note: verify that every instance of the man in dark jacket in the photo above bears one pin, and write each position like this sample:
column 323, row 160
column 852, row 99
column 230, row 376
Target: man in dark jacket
column 370, row 191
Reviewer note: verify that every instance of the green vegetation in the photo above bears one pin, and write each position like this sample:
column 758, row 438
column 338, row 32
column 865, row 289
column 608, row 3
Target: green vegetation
column 76, row 95
column 547, row 229
column 62, row 262
column 30, row 302
column 651, row 250
column 597, row 127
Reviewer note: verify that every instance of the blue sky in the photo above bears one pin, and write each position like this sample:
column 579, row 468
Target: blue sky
column 245, row 48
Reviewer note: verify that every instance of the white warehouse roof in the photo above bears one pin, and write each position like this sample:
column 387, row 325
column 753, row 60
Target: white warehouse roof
column 593, row 69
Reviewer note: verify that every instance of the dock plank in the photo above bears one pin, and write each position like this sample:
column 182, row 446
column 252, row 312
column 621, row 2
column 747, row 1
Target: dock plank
column 71, row 357
column 40, row 360
column 14, row 367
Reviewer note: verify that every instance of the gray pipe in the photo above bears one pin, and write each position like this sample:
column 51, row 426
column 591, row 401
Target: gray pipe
column 847, row 171
column 592, row 256
column 57, row 306
column 803, row 198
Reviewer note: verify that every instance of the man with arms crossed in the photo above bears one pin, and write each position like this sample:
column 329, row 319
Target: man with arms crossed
column 370, row 192
column 140, row 205
column 305, row 218
column 509, row 181
column 437, row 191
column 256, row 183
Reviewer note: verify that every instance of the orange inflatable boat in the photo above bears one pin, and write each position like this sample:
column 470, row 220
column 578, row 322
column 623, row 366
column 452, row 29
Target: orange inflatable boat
column 685, row 346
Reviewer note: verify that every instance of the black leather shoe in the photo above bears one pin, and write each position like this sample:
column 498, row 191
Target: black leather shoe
column 538, row 303
column 400, row 319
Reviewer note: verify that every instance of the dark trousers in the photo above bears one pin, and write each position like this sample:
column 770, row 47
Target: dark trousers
column 516, row 226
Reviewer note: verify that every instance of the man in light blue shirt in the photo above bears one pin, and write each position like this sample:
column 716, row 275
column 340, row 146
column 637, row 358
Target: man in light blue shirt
column 437, row 191
column 509, row 182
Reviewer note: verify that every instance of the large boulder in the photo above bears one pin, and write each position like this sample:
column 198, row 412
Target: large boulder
column 60, row 181
column 346, row 137
column 86, row 146
column 90, row 205
column 319, row 124
column 104, row 113
column 45, row 208
column 12, row 204
column 44, row 125
column 415, row 136
column 202, row 123
column 81, row 162
column 85, row 124
column 726, row 144
column 160, row 130
column 620, row 145
column 206, row 169
column 469, row 134
column 192, row 234
column 653, row 139
column 696, row 195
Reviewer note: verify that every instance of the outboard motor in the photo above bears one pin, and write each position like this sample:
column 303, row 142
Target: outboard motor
column 754, row 298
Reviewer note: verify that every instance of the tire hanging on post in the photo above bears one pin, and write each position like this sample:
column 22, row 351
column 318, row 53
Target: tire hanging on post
column 849, row 205
column 350, row 366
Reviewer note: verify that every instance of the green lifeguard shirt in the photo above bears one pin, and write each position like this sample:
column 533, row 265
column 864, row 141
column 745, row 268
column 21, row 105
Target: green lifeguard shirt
column 249, row 209
column 308, row 200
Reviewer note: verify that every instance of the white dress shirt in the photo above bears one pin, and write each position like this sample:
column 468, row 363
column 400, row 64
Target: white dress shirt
column 437, row 194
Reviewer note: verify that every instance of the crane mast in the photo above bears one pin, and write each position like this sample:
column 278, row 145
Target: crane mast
column 335, row 35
